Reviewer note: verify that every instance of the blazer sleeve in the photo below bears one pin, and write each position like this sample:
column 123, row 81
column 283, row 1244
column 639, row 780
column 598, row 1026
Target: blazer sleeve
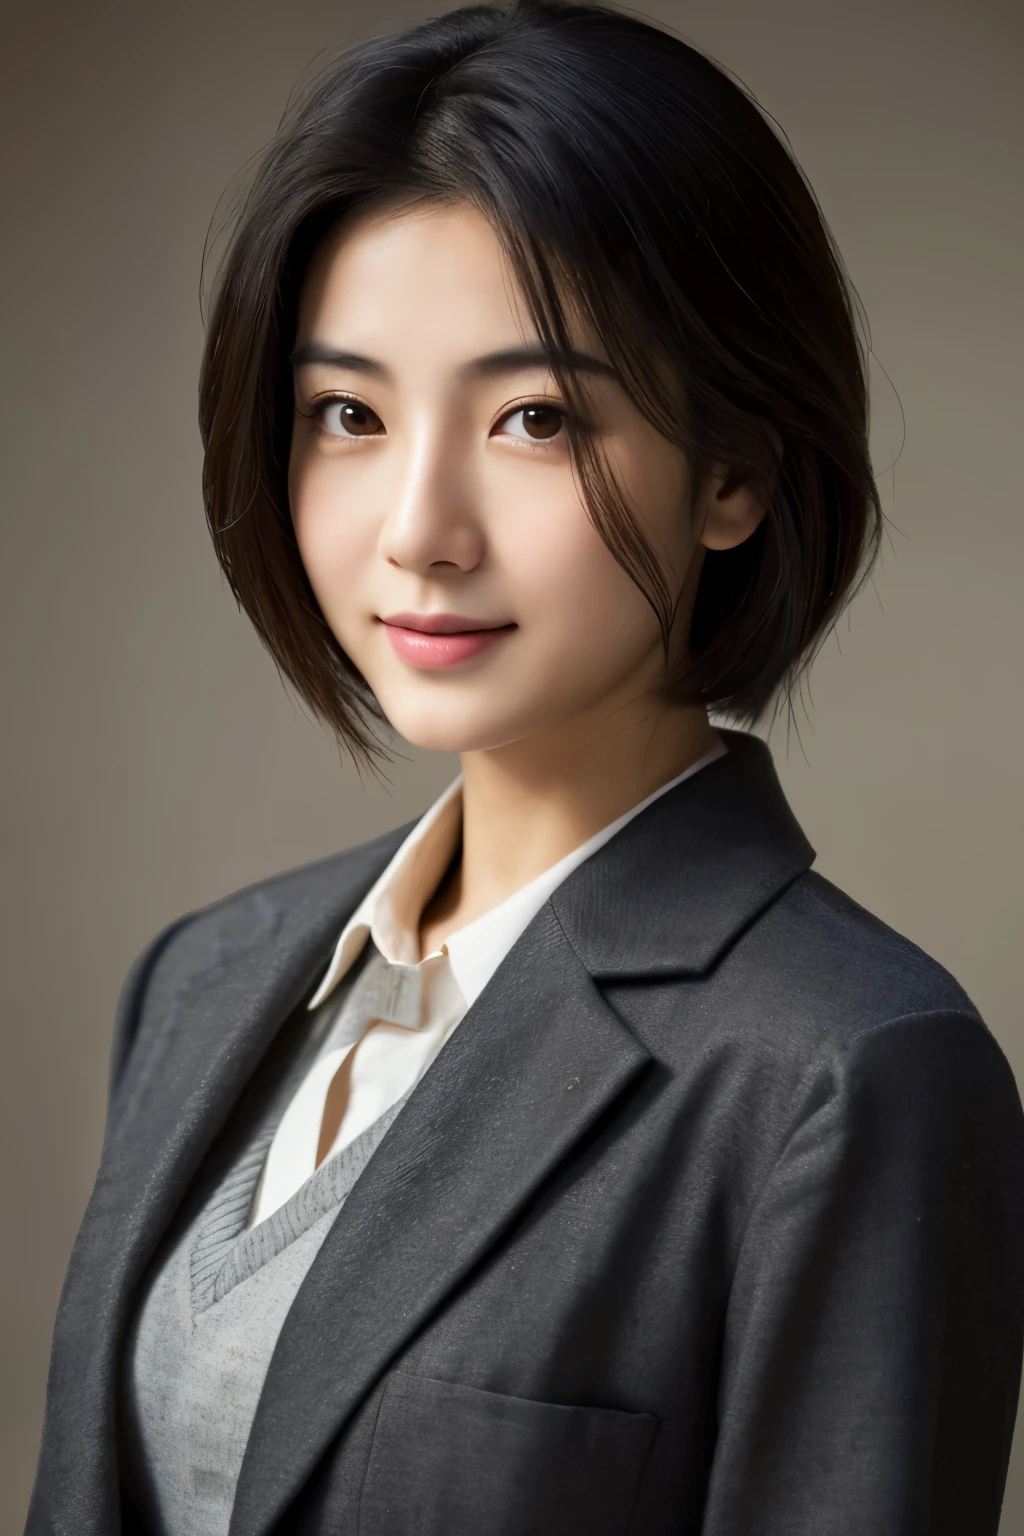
column 872, row 1352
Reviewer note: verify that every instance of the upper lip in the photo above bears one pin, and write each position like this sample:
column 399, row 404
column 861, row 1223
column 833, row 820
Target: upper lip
column 441, row 623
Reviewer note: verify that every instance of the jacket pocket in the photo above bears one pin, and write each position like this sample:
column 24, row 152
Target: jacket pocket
column 449, row 1460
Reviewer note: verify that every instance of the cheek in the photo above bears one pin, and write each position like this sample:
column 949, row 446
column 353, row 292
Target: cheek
column 587, row 604
column 334, row 541
column 572, row 594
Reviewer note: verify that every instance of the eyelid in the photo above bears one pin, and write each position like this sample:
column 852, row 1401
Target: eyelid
column 524, row 405
column 333, row 396
column 319, row 404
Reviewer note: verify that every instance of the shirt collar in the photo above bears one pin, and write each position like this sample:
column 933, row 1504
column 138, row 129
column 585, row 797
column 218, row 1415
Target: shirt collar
column 390, row 911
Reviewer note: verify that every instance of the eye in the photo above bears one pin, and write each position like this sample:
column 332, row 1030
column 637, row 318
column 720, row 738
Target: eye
column 536, row 423
column 340, row 416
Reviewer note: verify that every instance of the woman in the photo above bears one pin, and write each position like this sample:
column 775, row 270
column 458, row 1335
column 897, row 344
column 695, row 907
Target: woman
column 576, row 1160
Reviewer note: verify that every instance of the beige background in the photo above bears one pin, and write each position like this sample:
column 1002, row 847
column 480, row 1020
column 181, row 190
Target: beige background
column 152, row 761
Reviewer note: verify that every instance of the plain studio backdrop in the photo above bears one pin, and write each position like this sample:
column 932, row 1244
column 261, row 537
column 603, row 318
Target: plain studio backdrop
column 152, row 761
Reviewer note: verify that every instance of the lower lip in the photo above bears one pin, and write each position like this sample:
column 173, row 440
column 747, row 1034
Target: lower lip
column 432, row 653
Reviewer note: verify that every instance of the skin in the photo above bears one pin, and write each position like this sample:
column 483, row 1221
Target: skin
column 428, row 489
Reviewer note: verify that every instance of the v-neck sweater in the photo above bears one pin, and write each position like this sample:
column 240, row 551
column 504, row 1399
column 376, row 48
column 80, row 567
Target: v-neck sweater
column 215, row 1301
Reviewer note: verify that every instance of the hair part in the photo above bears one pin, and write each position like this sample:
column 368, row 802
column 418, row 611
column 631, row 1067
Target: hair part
column 632, row 186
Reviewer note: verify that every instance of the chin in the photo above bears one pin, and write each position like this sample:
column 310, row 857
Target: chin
column 433, row 727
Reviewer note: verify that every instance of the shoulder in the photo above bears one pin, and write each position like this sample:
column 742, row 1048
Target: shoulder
column 834, row 956
column 816, row 977
column 188, row 944
column 822, row 1026
column 877, row 1051
column 846, row 1005
column 875, row 1009
column 295, row 892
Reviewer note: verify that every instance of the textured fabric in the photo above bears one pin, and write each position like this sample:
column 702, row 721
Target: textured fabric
column 221, row 1260
column 198, row 1351
column 582, row 1465
column 714, row 1148
column 431, row 994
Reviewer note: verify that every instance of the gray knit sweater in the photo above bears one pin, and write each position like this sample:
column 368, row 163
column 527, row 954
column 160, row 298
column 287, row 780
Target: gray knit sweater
column 214, row 1303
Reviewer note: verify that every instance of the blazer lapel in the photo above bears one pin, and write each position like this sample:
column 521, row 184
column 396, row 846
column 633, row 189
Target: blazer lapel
column 534, row 1063
column 243, row 970
column 530, row 1068
column 679, row 884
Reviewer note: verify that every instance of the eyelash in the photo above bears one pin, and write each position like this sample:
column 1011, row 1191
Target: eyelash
column 525, row 405
column 322, row 404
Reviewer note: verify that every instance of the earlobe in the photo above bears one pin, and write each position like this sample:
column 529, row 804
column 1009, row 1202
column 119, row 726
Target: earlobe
column 733, row 510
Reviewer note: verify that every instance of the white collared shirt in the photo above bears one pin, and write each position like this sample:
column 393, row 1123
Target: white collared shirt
column 389, row 1059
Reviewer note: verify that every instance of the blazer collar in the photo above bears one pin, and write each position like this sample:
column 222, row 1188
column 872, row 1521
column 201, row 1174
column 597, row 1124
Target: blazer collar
column 538, row 1059
column 673, row 889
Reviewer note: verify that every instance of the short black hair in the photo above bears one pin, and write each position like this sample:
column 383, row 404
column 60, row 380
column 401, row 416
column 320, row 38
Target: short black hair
column 631, row 182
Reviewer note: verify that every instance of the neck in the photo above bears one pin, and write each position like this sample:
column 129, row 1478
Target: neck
column 529, row 803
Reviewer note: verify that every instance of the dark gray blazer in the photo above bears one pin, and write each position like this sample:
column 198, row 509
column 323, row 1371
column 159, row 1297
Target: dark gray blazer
column 707, row 1219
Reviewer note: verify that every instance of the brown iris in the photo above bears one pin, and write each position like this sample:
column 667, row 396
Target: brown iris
column 541, row 421
column 358, row 419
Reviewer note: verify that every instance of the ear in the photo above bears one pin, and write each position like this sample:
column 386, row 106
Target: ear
column 732, row 506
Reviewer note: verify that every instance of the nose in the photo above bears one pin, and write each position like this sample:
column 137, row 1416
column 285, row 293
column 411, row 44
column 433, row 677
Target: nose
column 432, row 520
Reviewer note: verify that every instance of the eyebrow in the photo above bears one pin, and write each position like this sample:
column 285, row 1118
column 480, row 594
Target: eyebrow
column 533, row 355
column 492, row 365
column 334, row 357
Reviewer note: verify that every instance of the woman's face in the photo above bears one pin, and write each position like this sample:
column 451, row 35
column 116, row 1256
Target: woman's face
column 434, row 501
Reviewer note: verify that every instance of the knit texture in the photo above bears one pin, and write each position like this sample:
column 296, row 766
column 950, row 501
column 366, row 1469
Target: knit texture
column 214, row 1303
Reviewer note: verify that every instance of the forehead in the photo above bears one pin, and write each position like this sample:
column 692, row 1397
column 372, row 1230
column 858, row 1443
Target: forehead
column 431, row 276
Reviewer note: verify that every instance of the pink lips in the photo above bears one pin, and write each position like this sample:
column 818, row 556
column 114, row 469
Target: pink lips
column 433, row 641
